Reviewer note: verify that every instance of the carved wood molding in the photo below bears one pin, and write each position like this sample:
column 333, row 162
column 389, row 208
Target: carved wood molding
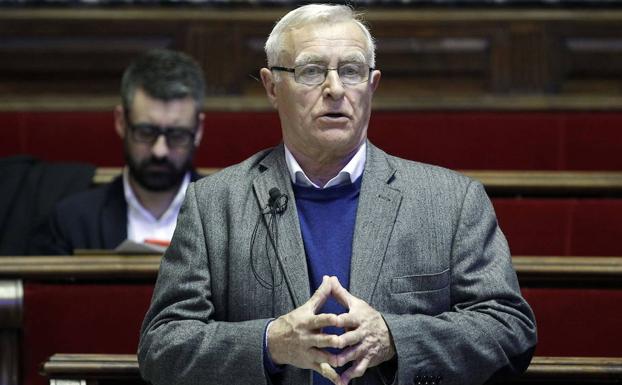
column 271, row 14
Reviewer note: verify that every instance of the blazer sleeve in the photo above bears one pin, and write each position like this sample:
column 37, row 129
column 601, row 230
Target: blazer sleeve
column 490, row 329
column 181, row 342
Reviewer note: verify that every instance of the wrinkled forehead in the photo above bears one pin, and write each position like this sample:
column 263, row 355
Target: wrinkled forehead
column 326, row 43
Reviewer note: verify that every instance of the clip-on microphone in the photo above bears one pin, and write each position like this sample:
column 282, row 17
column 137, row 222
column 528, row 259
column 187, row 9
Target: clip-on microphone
column 277, row 201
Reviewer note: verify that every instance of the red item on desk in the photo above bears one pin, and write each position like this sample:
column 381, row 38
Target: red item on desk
column 159, row 242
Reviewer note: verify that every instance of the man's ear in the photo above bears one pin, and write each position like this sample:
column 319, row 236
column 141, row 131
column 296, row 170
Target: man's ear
column 119, row 121
column 269, row 83
column 375, row 79
column 199, row 134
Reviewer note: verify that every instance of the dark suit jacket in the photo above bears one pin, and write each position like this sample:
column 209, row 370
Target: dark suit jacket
column 93, row 219
column 427, row 253
column 29, row 189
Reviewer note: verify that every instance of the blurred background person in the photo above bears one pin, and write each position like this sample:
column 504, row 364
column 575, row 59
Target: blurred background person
column 160, row 122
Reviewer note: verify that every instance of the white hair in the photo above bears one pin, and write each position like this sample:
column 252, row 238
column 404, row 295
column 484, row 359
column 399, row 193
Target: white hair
column 315, row 14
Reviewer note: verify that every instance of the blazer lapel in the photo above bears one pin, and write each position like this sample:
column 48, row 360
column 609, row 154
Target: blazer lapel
column 376, row 214
column 274, row 173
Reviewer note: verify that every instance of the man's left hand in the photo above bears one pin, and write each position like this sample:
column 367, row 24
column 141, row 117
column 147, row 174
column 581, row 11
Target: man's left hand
column 367, row 339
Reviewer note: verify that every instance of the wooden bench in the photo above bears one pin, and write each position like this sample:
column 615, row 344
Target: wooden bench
column 53, row 299
column 109, row 369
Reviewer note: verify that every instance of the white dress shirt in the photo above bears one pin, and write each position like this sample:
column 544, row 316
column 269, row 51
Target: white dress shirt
column 351, row 172
column 141, row 224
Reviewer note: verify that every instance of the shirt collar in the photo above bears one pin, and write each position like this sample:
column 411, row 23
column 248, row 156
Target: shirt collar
column 351, row 172
column 134, row 203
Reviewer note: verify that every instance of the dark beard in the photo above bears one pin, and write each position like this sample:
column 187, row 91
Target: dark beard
column 160, row 180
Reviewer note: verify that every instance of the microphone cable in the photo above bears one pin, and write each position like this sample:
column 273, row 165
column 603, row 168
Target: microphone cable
column 277, row 204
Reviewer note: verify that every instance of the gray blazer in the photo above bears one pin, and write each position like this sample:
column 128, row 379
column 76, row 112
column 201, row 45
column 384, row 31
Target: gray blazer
column 427, row 253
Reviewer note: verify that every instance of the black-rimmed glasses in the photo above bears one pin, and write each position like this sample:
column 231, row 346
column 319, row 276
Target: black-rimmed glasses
column 149, row 133
column 313, row 74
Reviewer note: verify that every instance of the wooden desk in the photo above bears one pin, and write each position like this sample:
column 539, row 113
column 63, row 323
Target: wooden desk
column 99, row 369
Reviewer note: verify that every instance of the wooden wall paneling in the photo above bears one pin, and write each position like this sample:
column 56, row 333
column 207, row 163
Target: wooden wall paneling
column 420, row 58
column 252, row 57
column 73, row 56
column 215, row 45
column 431, row 58
column 500, row 76
column 527, row 57
column 591, row 53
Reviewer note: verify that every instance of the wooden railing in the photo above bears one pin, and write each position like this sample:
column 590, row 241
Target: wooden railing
column 571, row 183
column 532, row 270
column 123, row 369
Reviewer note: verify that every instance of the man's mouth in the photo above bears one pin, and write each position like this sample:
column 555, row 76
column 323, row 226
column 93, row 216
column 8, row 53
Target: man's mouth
column 335, row 115
column 158, row 168
column 334, row 118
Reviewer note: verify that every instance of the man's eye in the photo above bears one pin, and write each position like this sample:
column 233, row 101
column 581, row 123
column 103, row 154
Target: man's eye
column 349, row 70
column 177, row 134
column 311, row 70
column 146, row 131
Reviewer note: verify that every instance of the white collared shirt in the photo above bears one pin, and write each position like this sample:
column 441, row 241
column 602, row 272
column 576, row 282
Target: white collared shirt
column 351, row 172
column 141, row 224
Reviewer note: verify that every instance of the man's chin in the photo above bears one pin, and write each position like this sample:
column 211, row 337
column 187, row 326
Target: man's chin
column 339, row 141
column 159, row 182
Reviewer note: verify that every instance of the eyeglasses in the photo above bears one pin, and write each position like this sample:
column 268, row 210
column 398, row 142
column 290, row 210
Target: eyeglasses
column 149, row 133
column 314, row 74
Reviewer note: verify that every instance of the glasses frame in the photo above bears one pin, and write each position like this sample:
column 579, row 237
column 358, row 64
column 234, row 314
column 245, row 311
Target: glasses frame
column 162, row 131
column 293, row 71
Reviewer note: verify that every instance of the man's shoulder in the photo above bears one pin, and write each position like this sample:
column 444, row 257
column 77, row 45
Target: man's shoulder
column 413, row 172
column 89, row 200
column 233, row 176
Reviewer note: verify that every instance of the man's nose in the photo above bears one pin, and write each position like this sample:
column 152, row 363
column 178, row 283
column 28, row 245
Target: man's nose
column 333, row 87
column 160, row 148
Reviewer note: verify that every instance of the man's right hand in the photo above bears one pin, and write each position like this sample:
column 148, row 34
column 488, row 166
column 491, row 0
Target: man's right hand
column 296, row 338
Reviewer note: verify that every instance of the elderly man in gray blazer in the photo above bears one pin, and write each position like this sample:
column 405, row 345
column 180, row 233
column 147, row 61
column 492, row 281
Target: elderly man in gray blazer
column 326, row 260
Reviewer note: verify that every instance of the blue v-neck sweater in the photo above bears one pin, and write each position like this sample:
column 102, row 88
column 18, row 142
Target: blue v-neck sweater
column 327, row 218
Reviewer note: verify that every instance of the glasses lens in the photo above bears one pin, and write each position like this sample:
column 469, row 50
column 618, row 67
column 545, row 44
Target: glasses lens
column 310, row 74
column 314, row 74
column 178, row 137
column 353, row 73
column 145, row 133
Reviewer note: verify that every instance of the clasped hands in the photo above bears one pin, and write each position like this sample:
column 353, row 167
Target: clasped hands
column 296, row 338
